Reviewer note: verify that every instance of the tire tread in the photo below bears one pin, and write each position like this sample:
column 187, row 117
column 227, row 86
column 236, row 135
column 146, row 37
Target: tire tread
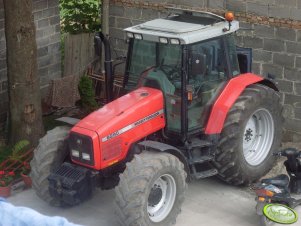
column 45, row 155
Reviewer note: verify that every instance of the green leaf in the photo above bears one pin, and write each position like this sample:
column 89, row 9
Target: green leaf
column 80, row 15
column 19, row 147
column 87, row 93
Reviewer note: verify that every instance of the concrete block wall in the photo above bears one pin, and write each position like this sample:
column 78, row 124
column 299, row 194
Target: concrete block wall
column 48, row 36
column 47, row 21
column 276, row 50
column 271, row 27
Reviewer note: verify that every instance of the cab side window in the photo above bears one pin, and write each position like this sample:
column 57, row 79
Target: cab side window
column 232, row 55
column 207, row 71
column 208, row 61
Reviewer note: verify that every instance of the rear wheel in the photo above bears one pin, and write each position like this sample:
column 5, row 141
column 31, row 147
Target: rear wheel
column 48, row 156
column 151, row 190
column 252, row 132
column 258, row 137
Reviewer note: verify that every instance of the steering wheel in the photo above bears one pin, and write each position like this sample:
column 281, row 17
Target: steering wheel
column 170, row 71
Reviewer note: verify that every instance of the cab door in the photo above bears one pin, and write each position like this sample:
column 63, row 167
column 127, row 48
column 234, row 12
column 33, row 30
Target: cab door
column 210, row 67
column 245, row 59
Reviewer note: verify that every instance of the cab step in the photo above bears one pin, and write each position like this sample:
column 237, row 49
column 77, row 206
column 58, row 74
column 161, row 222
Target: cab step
column 204, row 174
column 202, row 159
column 198, row 143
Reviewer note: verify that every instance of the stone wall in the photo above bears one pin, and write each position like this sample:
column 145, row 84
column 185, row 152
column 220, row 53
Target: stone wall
column 271, row 27
column 47, row 21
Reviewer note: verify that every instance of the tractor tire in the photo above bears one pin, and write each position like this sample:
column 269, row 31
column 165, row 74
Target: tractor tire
column 252, row 133
column 48, row 156
column 151, row 190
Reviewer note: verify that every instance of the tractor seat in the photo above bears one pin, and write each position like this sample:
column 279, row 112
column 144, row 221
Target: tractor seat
column 158, row 80
column 280, row 180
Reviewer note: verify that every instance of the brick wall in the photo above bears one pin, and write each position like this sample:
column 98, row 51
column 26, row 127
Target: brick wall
column 47, row 21
column 271, row 27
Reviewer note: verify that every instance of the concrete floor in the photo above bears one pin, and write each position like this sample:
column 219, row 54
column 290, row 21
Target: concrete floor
column 208, row 202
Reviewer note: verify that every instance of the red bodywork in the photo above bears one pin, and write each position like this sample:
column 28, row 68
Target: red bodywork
column 120, row 123
column 130, row 118
column 226, row 100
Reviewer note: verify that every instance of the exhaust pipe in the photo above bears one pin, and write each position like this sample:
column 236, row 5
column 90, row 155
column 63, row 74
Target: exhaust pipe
column 109, row 77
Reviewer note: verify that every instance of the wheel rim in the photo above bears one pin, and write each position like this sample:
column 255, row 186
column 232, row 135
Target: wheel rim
column 258, row 137
column 161, row 198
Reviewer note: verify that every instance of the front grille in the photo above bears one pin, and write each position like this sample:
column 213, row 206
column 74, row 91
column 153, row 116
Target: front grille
column 71, row 184
column 112, row 149
column 84, row 145
column 70, row 175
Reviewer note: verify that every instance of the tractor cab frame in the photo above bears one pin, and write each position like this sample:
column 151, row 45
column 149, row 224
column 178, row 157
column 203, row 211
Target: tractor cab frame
column 190, row 77
column 189, row 57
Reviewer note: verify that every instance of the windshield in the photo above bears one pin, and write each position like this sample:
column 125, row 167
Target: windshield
column 146, row 55
column 158, row 66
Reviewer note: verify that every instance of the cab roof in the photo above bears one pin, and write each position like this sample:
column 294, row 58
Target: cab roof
column 188, row 27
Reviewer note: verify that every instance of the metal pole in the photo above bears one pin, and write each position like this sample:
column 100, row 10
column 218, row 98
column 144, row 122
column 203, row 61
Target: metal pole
column 105, row 17
column 106, row 62
column 104, row 27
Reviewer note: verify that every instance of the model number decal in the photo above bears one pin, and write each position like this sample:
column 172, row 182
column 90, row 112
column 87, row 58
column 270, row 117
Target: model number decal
column 131, row 126
column 115, row 134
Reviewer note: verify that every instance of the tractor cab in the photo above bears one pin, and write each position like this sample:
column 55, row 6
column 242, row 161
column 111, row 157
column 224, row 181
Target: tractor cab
column 189, row 57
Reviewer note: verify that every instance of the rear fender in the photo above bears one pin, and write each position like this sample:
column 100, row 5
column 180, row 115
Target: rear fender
column 228, row 97
column 269, row 83
column 161, row 147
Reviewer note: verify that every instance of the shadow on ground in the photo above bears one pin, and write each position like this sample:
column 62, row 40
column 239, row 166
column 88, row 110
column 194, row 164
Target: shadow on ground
column 208, row 202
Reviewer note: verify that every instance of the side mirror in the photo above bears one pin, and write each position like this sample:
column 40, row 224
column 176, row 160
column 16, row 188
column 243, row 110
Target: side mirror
column 97, row 45
column 198, row 64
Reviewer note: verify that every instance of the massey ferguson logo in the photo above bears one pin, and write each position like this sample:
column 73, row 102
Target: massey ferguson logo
column 133, row 125
column 79, row 141
column 146, row 119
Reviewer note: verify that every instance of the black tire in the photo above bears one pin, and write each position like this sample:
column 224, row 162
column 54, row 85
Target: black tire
column 132, row 193
column 48, row 156
column 230, row 160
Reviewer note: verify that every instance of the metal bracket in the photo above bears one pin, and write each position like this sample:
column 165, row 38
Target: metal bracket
column 68, row 120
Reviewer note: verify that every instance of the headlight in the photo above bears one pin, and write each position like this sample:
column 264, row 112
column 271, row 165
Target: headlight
column 138, row 36
column 75, row 153
column 81, row 148
column 175, row 41
column 163, row 40
column 130, row 35
column 86, row 156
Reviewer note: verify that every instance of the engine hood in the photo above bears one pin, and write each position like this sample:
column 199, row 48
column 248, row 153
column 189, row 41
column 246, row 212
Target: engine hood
column 117, row 125
column 124, row 111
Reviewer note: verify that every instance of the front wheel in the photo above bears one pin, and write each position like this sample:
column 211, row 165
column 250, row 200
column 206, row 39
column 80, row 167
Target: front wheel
column 151, row 190
column 48, row 156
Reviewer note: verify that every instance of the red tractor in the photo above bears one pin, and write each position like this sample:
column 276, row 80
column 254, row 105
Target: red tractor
column 192, row 110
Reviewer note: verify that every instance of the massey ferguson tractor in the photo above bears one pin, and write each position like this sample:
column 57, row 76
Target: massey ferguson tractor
column 192, row 109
